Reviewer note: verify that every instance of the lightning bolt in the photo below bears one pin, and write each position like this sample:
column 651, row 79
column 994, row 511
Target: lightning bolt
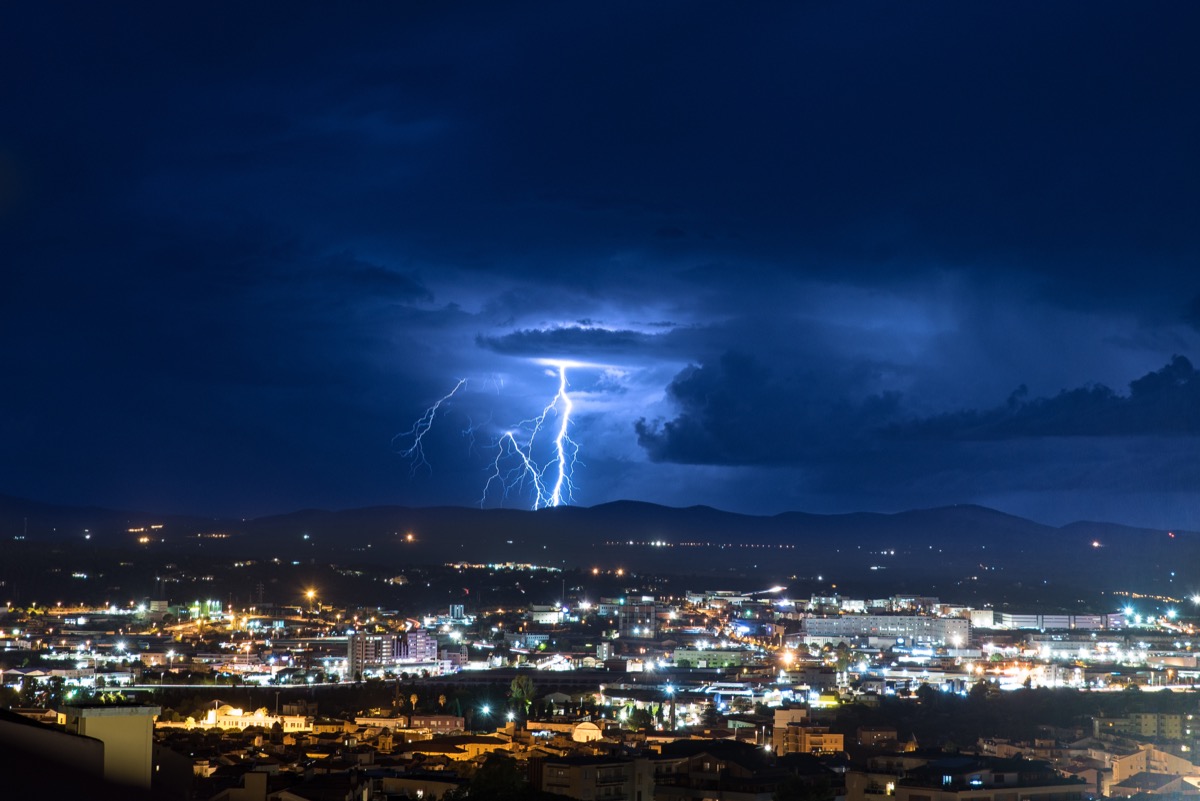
column 416, row 452
column 561, row 441
column 551, row 482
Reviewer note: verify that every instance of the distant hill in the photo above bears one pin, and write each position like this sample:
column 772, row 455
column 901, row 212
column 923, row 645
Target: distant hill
column 957, row 546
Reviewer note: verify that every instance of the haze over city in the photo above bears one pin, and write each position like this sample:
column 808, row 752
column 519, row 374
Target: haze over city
column 794, row 257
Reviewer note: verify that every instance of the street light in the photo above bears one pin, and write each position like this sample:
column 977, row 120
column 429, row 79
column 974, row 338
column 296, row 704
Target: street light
column 170, row 661
column 671, row 694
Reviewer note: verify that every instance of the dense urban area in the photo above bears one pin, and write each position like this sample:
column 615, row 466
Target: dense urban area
column 493, row 680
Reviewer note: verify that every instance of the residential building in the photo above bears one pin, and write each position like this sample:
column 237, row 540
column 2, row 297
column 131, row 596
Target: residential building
column 802, row 737
column 127, row 731
column 976, row 778
column 594, row 778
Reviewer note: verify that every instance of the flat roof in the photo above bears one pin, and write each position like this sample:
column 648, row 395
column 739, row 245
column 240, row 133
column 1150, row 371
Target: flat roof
column 109, row 710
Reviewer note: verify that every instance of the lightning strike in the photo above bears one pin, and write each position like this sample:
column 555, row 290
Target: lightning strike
column 536, row 456
column 551, row 482
column 416, row 452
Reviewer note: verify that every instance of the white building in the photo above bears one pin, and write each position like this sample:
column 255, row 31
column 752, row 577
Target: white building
column 952, row 631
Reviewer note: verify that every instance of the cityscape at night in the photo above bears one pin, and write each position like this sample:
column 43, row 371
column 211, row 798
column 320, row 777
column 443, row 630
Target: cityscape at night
column 613, row 402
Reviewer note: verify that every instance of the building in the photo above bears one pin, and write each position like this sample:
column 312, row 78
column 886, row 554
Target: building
column 127, row 731
column 924, row 629
column 877, row 737
column 228, row 717
column 592, row 778
column 1148, row 759
column 418, row 645
column 370, row 651
column 377, row 652
column 712, row 657
column 1005, row 620
column 544, row 614
column 802, row 737
column 22, row 734
column 637, row 620
column 693, row 770
column 1145, row 725
column 438, row 724
column 976, row 778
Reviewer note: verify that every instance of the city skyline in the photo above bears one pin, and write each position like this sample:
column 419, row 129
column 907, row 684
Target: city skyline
column 789, row 258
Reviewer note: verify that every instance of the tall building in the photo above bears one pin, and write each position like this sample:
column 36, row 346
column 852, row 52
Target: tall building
column 370, row 651
column 637, row 620
column 127, row 731
column 418, row 645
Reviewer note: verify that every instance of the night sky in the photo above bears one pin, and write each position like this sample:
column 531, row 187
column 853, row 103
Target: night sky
column 801, row 256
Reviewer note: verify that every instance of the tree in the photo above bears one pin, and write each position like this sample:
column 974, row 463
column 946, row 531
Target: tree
column 640, row 719
column 498, row 778
column 442, row 702
column 55, row 691
column 842, row 657
column 29, row 690
column 412, row 701
column 521, row 691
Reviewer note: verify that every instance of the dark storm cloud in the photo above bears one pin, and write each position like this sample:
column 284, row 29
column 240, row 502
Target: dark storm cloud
column 1164, row 402
column 378, row 280
column 569, row 341
column 740, row 411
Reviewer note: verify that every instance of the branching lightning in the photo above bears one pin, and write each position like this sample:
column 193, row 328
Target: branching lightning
column 534, row 457
column 416, row 451
column 551, row 482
